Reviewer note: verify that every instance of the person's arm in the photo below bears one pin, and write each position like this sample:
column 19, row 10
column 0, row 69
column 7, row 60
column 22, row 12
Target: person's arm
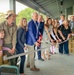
column 19, row 35
column 48, row 33
column 14, row 39
column 59, row 31
column 70, row 33
column 6, row 48
column 55, row 31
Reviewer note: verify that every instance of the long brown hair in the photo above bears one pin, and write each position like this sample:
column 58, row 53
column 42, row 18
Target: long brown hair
column 46, row 23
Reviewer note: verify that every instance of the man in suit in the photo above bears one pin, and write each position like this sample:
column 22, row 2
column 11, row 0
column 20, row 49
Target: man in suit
column 40, row 28
column 32, row 36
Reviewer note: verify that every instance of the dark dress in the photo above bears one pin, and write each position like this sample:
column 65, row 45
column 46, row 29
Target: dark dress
column 64, row 45
column 21, row 40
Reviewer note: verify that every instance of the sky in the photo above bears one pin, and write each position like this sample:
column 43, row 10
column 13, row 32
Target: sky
column 4, row 6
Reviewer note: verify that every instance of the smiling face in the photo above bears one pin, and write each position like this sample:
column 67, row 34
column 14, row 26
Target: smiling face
column 49, row 21
column 11, row 19
column 35, row 16
column 40, row 18
column 65, row 22
column 72, row 18
column 62, row 17
column 24, row 22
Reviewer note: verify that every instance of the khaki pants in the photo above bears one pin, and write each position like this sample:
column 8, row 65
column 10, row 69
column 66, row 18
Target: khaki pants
column 1, row 57
column 2, row 62
column 30, row 57
column 11, row 61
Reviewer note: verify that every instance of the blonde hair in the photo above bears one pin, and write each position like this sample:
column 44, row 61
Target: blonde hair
column 65, row 21
column 21, row 23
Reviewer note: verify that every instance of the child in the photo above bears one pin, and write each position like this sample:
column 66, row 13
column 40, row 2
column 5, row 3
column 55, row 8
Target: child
column 1, row 46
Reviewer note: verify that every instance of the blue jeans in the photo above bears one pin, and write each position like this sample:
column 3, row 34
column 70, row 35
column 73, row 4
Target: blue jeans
column 63, row 48
column 39, row 52
column 22, row 64
column 19, row 51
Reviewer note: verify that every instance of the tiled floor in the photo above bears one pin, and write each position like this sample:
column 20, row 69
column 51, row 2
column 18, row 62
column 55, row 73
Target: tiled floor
column 57, row 65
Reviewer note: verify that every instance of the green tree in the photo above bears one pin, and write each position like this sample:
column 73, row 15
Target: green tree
column 26, row 13
column 2, row 17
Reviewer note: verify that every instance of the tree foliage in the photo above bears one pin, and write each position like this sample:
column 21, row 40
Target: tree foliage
column 2, row 16
column 26, row 13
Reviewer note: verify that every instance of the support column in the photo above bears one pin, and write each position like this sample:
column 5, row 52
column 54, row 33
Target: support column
column 73, row 9
column 12, row 5
column 66, row 14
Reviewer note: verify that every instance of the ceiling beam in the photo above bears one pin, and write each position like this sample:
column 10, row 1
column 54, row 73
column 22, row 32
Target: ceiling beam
column 43, row 9
column 48, row 3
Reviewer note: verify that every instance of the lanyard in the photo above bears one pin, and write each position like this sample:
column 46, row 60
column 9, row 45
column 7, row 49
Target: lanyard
column 36, row 28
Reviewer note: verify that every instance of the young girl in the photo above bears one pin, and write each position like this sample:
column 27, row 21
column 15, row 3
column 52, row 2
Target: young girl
column 2, row 48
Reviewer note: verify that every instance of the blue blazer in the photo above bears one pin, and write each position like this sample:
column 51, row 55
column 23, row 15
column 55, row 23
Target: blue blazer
column 32, row 35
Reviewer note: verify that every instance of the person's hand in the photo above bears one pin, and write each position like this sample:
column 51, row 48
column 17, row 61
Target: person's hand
column 52, row 40
column 68, row 38
column 64, row 38
column 59, row 40
column 37, row 44
column 12, row 51
column 25, row 48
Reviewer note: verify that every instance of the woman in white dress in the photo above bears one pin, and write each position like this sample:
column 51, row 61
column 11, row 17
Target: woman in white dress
column 47, row 38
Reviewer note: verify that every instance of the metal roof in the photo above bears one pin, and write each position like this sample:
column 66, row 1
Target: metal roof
column 51, row 8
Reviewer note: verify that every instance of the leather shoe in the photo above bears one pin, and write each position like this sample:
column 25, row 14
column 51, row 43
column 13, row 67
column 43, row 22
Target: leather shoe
column 34, row 69
column 22, row 74
column 28, row 66
column 41, row 59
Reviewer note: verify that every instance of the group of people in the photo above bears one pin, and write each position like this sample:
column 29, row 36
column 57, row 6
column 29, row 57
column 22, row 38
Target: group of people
column 15, row 40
